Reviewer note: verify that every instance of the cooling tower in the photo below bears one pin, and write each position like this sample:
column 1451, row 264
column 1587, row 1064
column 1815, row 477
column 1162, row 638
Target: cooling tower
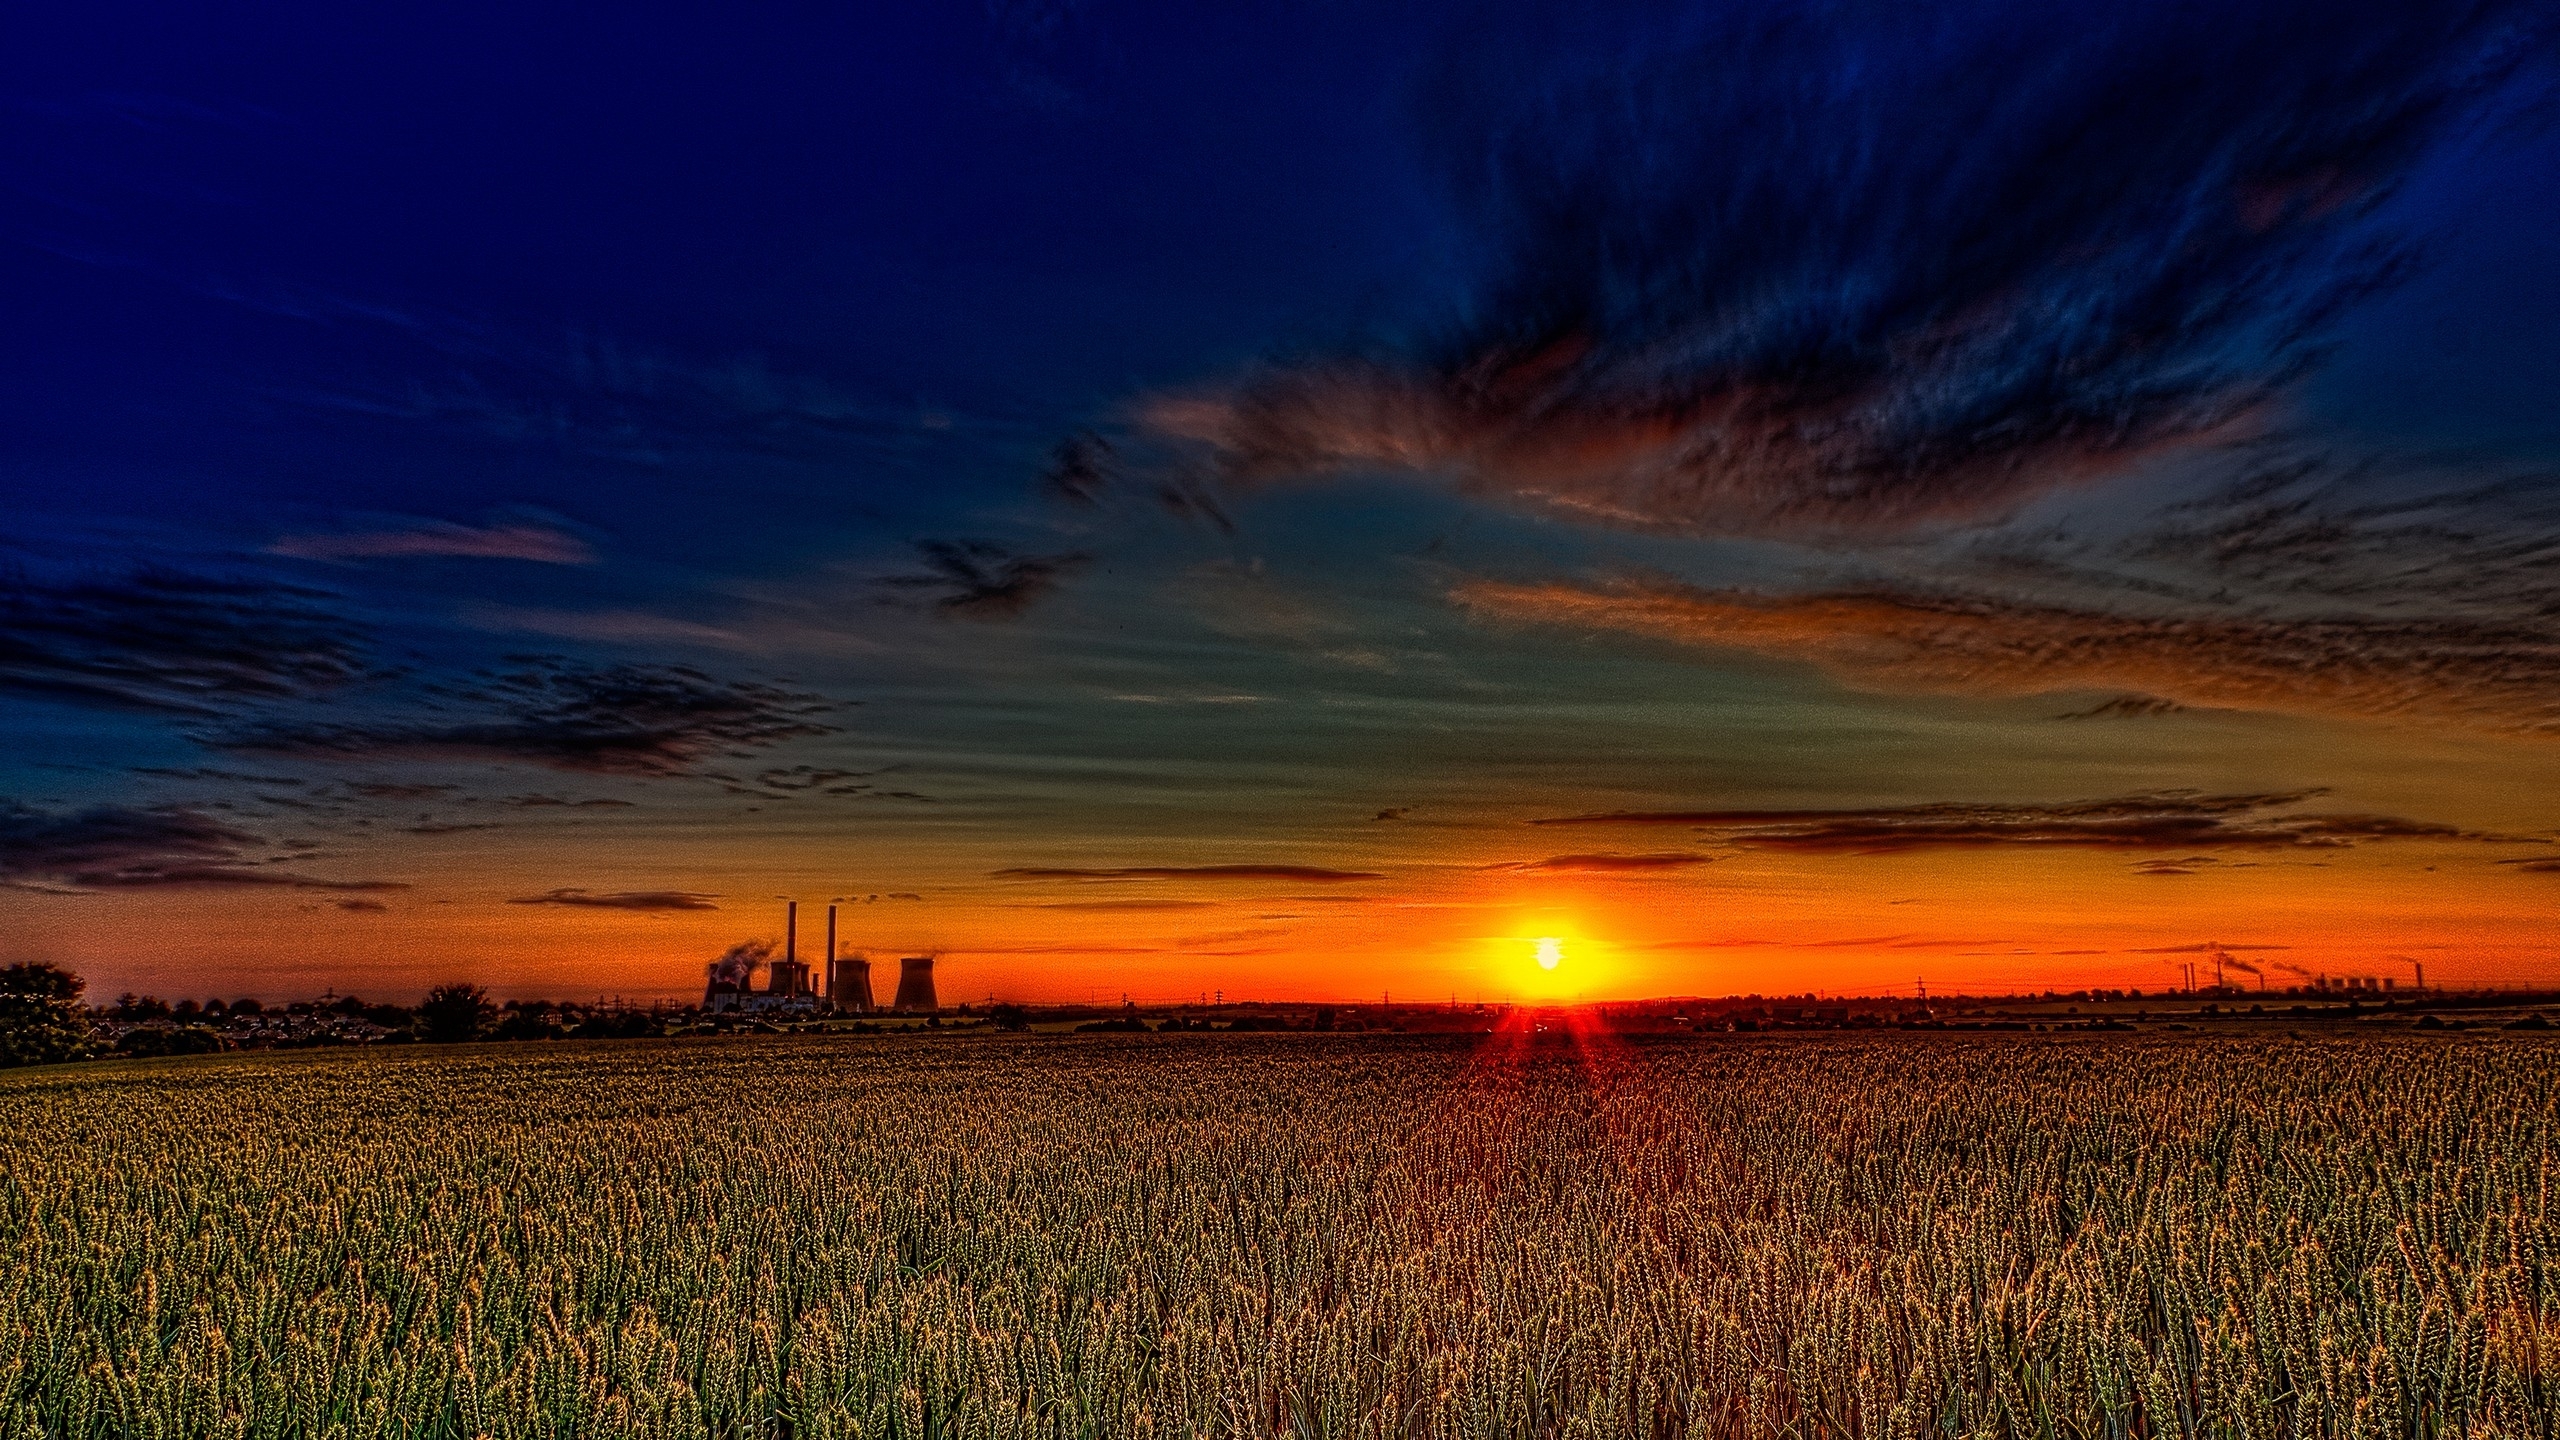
column 849, row 985
column 915, row 986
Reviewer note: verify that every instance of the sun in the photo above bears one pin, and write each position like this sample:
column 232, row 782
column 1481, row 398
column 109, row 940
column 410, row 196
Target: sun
column 1550, row 952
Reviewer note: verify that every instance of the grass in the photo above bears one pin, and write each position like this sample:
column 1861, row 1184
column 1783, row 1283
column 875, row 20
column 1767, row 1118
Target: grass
column 1887, row 1237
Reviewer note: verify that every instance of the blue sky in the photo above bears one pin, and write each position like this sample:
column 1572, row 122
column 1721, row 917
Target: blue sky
column 482, row 453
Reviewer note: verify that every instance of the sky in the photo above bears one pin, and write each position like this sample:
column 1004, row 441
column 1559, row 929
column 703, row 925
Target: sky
column 1282, row 501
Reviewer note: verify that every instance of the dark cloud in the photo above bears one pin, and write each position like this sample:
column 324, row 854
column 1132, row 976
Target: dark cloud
column 1784, row 269
column 168, row 640
column 1080, row 468
column 2126, row 707
column 2445, row 668
column 393, row 790
column 363, row 907
column 2535, row 866
column 981, row 580
column 642, row 720
column 410, row 538
column 2167, row 820
column 449, row 827
column 205, row 772
column 621, row 899
column 1609, row 864
column 1393, row 812
column 2385, row 534
column 562, row 802
column 114, row 847
column 1193, row 872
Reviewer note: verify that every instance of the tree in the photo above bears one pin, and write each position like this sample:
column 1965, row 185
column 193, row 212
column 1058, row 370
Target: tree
column 41, row 1021
column 453, row 1013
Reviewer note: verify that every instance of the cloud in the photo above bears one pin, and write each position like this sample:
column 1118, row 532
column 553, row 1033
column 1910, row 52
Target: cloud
column 1080, row 469
column 981, row 580
column 170, row 640
column 2164, row 820
column 2127, row 707
column 621, row 899
column 640, row 720
column 114, row 847
column 611, row 627
column 1393, row 812
column 562, row 802
column 595, row 396
column 2535, row 866
column 363, row 907
column 1609, row 864
column 412, row 538
column 1125, row 905
column 395, row 790
column 1194, row 872
column 2483, row 674
column 206, row 772
column 1792, row 270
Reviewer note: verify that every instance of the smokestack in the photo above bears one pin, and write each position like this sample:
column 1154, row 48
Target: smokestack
column 791, row 931
column 915, row 987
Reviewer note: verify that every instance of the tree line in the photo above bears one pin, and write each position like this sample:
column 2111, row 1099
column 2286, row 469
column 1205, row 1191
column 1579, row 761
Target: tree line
column 43, row 1021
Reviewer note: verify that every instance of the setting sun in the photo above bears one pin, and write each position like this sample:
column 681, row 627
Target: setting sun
column 1550, row 953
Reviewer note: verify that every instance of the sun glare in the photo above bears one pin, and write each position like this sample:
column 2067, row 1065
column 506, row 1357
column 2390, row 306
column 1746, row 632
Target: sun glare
column 1550, row 953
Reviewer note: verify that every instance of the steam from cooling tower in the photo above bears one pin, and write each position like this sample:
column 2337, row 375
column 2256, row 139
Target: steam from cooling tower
column 737, row 964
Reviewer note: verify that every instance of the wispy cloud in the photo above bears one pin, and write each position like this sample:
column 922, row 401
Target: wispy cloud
column 2180, row 820
column 1906, row 295
column 2447, row 669
column 170, row 640
column 1606, row 864
column 639, row 720
column 1311, row 873
column 1114, row 905
column 981, row 580
column 114, row 847
column 410, row 538
column 621, row 899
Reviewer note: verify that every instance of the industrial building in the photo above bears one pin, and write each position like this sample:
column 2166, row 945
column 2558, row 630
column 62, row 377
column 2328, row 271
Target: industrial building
column 792, row 986
column 915, row 987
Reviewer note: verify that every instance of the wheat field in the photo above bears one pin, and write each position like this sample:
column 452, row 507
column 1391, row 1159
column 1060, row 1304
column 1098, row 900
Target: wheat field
column 1885, row 1238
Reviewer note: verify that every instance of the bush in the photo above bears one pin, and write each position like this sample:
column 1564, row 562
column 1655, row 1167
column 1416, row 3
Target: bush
column 41, row 1022
column 454, row 1013
column 145, row 1040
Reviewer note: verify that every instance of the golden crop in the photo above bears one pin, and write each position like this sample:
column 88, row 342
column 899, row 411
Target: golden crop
column 1884, row 1238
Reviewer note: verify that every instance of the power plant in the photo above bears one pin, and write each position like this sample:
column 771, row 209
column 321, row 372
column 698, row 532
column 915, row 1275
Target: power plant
column 791, row 985
column 915, row 987
column 848, row 979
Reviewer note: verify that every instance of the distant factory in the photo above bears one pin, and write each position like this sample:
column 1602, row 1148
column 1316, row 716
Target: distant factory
column 793, row 986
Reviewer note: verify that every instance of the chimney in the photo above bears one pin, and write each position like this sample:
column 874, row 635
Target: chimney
column 791, row 931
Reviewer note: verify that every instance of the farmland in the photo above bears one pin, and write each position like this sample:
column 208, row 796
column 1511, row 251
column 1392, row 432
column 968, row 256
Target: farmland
column 1888, row 1237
